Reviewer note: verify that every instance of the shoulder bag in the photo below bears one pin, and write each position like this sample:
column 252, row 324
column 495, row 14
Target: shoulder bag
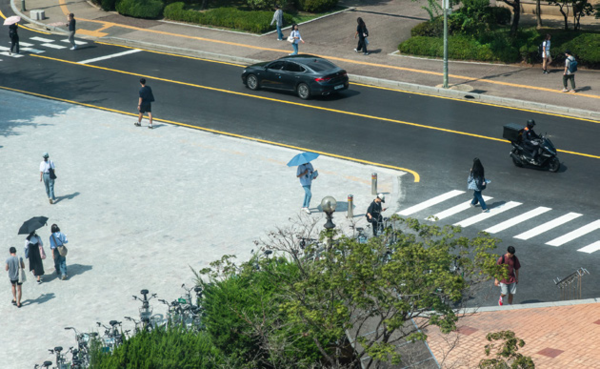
column 22, row 275
column 290, row 39
column 62, row 249
column 42, row 252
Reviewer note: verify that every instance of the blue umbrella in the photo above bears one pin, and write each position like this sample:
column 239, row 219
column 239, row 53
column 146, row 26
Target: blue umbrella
column 302, row 158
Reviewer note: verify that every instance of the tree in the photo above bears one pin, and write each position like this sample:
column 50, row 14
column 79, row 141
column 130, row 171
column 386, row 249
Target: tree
column 538, row 13
column 506, row 354
column 581, row 8
column 564, row 10
column 332, row 296
column 516, row 7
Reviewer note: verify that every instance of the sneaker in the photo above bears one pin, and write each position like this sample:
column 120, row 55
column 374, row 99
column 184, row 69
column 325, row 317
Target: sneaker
column 64, row 277
column 472, row 205
column 485, row 211
column 355, row 50
column 500, row 303
column 545, row 72
column 279, row 39
column 137, row 124
column 565, row 90
column 51, row 202
column 573, row 92
column 150, row 126
column 366, row 53
column 39, row 281
column 306, row 210
column 72, row 48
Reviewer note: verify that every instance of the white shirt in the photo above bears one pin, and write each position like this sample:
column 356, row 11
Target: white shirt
column 45, row 166
column 567, row 62
column 546, row 52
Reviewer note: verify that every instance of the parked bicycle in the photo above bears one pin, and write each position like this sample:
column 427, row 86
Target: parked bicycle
column 186, row 310
column 46, row 364
column 112, row 337
column 311, row 248
column 147, row 321
column 81, row 355
column 60, row 361
column 258, row 256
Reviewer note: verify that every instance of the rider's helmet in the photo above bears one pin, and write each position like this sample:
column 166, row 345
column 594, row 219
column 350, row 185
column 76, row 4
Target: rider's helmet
column 530, row 123
column 381, row 196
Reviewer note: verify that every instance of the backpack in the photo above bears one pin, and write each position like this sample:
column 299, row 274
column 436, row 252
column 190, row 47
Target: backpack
column 541, row 50
column 572, row 64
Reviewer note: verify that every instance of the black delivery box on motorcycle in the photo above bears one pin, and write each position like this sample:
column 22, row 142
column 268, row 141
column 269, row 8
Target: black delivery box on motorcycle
column 513, row 132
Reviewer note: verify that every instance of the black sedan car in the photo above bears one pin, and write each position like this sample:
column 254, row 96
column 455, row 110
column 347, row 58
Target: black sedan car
column 305, row 75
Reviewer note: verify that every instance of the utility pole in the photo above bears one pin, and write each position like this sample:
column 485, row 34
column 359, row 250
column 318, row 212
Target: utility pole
column 445, row 3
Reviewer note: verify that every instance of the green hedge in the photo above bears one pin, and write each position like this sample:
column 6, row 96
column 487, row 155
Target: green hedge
column 459, row 47
column 251, row 21
column 586, row 48
column 140, row 8
column 161, row 348
column 316, row 6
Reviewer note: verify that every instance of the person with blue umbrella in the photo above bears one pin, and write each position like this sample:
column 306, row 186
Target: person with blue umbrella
column 306, row 173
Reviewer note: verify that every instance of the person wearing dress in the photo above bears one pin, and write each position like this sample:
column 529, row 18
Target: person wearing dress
column 33, row 242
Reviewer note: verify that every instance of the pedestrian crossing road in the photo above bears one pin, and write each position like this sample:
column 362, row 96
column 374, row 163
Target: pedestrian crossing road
column 507, row 219
column 38, row 45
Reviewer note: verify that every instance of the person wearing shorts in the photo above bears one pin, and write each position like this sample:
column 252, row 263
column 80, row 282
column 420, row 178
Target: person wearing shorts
column 508, row 285
column 12, row 266
column 145, row 103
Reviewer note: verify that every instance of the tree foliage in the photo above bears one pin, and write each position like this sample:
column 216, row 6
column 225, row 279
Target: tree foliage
column 322, row 298
column 506, row 354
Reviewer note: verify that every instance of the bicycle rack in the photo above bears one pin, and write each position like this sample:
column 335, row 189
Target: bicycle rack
column 570, row 286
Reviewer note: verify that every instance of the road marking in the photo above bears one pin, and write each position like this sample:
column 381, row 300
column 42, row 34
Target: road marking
column 32, row 50
column 547, row 226
column 483, row 216
column 455, row 209
column 41, row 39
column 590, row 248
column 54, row 46
column 430, row 202
column 5, row 53
column 110, row 56
column 304, row 105
column 417, row 177
column 77, row 42
column 517, row 220
column 26, row 44
column 575, row 234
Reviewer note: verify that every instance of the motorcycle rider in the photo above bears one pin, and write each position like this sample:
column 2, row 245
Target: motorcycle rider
column 531, row 141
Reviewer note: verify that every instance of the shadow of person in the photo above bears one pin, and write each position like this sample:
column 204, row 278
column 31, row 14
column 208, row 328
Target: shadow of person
column 67, row 197
column 40, row 300
column 375, row 51
column 76, row 269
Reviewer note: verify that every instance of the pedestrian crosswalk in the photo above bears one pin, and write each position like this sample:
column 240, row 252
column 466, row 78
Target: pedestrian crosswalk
column 38, row 45
column 551, row 229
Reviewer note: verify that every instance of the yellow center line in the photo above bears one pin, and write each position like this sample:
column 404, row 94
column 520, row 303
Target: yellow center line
column 299, row 104
column 417, row 177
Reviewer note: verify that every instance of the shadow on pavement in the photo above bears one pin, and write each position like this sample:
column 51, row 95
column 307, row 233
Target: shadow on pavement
column 66, row 197
column 40, row 300
column 77, row 269
column 533, row 301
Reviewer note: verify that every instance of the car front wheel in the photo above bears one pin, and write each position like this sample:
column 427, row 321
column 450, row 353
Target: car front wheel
column 303, row 91
column 252, row 82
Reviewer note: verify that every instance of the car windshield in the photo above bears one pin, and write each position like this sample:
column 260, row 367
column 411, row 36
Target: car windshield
column 319, row 65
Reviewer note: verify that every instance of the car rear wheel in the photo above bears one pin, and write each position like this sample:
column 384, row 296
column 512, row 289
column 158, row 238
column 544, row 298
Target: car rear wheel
column 252, row 82
column 303, row 91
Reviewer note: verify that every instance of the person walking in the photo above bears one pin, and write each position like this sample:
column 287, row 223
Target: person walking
column 278, row 20
column 297, row 38
column 48, row 175
column 477, row 183
column 362, row 33
column 546, row 57
column 14, row 38
column 58, row 239
column 34, row 251
column 305, row 174
column 14, row 265
column 508, row 285
column 569, row 73
column 374, row 212
column 71, row 24
column 145, row 103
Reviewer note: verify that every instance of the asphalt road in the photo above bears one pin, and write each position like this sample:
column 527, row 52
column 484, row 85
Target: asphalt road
column 437, row 138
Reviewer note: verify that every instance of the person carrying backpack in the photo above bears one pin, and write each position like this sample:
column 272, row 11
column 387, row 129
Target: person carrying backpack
column 569, row 73
column 545, row 53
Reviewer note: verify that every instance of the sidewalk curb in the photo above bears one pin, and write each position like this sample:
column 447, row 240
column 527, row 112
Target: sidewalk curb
column 537, row 305
column 397, row 85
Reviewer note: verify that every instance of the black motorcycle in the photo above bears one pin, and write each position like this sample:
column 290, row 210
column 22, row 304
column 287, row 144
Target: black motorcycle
column 546, row 155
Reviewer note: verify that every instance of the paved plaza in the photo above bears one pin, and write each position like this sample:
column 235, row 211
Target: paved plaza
column 140, row 207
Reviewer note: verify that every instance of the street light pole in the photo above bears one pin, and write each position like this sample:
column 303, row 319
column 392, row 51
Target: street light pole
column 445, row 2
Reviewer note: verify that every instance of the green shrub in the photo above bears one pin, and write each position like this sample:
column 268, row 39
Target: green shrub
column 459, row 47
column 151, row 9
column 252, row 21
column 162, row 348
column 585, row 47
column 498, row 15
column 107, row 5
column 316, row 6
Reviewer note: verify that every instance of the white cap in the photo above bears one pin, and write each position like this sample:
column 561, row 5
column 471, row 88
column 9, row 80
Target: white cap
column 381, row 196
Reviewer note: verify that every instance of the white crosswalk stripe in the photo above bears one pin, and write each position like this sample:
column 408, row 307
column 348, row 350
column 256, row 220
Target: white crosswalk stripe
column 429, row 203
column 483, row 216
column 547, row 226
column 77, row 42
column 517, row 220
column 41, row 39
column 575, row 234
column 456, row 209
column 32, row 50
column 26, row 44
column 590, row 248
column 54, row 46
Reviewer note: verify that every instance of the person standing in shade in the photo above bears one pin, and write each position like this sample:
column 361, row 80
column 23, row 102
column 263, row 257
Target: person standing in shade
column 57, row 238
column 477, row 183
column 47, row 175
column 71, row 24
column 278, row 20
column 33, row 244
column 546, row 57
column 145, row 103
column 13, row 264
column 362, row 33
column 568, row 74
column 297, row 38
column 508, row 286
column 14, row 38
column 374, row 212
column 305, row 174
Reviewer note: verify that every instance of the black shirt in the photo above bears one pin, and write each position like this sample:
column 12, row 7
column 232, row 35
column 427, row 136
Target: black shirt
column 12, row 30
column 72, row 25
column 362, row 31
column 374, row 209
column 146, row 95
